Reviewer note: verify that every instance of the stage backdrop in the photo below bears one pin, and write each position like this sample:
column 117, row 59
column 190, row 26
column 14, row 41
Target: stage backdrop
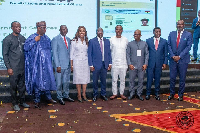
column 89, row 13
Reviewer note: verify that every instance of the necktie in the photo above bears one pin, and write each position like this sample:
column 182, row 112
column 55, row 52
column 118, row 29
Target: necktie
column 156, row 44
column 101, row 45
column 65, row 42
column 178, row 39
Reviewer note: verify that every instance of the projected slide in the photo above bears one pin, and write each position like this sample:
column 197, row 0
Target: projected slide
column 131, row 14
column 72, row 13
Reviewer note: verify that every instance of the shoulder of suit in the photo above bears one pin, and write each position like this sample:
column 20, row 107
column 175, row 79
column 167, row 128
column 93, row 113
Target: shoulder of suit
column 173, row 32
column 131, row 42
column 148, row 39
column 93, row 39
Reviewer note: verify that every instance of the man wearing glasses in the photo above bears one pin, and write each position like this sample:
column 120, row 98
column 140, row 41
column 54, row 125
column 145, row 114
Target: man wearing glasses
column 137, row 55
column 39, row 75
column 13, row 55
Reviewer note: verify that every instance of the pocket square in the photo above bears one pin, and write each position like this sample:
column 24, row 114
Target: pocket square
column 185, row 38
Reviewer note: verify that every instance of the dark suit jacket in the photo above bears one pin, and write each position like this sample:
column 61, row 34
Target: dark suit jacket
column 157, row 57
column 95, row 54
column 196, row 33
column 12, row 55
column 183, row 47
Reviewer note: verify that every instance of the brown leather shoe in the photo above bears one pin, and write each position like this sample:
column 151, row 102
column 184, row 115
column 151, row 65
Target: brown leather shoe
column 113, row 97
column 123, row 97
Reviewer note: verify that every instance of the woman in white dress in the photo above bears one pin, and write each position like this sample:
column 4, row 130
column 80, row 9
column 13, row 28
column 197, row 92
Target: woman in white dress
column 79, row 61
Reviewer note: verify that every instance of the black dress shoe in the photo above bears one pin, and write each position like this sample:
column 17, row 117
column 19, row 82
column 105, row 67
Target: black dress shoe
column 80, row 100
column 68, row 99
column 131, row 97
column 194, row 60
column 94, row 99
column 61, row 102
column 52, row 101
column 85, row 98
column 157, row 97
column 37, row 105
column 180, row 98
column 147, row 97
column 171, row 96
column 104, row 98
column 141, row 98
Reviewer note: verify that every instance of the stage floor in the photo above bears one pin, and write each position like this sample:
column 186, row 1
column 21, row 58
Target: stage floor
column 113, row 116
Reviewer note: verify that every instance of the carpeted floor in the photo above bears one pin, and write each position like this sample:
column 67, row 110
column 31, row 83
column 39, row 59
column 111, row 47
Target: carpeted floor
column 113, row 116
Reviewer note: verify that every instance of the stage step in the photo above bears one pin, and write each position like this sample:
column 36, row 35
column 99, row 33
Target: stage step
column 192, row 84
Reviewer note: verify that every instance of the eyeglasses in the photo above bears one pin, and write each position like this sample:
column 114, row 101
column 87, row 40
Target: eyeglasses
column 42, row 27
column 136, row 34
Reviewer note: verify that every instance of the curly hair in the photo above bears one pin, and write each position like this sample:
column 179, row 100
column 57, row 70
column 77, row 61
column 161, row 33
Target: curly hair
column 77, row 34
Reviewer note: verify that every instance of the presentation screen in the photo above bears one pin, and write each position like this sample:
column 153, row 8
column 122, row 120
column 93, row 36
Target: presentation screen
column 72, row 13
column 131, row 14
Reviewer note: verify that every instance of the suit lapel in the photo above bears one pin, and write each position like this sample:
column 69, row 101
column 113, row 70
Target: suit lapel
column 160, row 43
column 62, row 41
column 153, row 44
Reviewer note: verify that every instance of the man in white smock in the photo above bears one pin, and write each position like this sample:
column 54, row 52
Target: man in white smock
column 118, row 45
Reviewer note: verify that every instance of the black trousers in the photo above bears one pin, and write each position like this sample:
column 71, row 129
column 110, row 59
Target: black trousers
column 17, row 84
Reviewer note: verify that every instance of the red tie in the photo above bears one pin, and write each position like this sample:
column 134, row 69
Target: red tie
column 156, row 44
column 178, row 39
column 65, row 42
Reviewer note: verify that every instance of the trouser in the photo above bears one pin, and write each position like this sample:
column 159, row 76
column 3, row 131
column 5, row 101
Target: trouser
column 153, row 73
column 38, row 94
column 62, row 82
column 121, row 73
column 102, row 73
column 132, row 76
column 195, row 47
column 180, row 69
column 17, row 84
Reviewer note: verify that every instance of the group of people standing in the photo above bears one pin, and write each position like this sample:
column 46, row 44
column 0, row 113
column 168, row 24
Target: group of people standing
column 29, row 62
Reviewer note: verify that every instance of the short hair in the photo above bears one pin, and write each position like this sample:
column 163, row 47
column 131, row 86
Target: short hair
column 144, row 19
column 138, row 30
column 118, row 25
column 98, row 28
column 64, row 26
column 13, row 23
column 156, row 28
column 38, row 24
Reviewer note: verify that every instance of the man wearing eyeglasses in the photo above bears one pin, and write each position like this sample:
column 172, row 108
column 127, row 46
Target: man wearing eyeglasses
column 13, row 55
column 137, row 55
column 39, row 75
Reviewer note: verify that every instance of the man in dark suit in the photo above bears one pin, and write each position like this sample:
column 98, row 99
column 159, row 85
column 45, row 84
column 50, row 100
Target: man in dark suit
column 99, row 58
column 179, row 45
column 196, row 35
column 13, row 55
column 61, row 49
column 157, row 61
